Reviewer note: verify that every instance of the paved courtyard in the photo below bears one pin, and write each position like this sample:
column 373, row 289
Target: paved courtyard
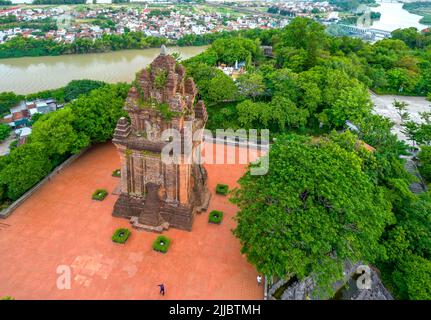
column 61, row 225
column 383, row 105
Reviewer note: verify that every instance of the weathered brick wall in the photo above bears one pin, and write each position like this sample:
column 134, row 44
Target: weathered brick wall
column 161, row 85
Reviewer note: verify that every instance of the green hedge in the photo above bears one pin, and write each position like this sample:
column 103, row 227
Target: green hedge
column 222, row 189
column 116, row 173
column 161, row 244
column 99, row 194
column 215, row 217
column 121, row 235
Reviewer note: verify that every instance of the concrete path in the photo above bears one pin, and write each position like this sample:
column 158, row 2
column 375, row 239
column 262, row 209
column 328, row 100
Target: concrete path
column 384, row 106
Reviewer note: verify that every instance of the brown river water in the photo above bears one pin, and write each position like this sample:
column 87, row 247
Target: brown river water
column 33, row 74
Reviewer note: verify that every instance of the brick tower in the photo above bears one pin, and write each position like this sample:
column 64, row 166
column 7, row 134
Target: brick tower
column 156, row 195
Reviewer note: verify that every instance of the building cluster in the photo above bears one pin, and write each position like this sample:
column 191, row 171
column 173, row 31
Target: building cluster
column 21, row 115
column 180, row 23
column 233, row 71
column 306, row 9
column 170, row 22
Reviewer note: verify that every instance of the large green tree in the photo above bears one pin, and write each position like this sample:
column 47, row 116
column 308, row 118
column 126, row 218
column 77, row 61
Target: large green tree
column 221, row 88
column 55, row 130
column 306, row 36
column 25, row 166
column 96, row 114
column 311, row 212
column 413, row 278
column 4, row 131
column 7, row 101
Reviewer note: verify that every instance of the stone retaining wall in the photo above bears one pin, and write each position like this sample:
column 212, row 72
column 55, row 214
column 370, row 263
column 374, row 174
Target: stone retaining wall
column 8, row 211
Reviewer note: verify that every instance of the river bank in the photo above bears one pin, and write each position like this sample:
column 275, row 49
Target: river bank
column 394, row 16
column 32, row 74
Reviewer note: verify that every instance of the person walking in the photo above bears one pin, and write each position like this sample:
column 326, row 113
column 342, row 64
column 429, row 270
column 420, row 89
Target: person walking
column 162, row 289
column 259, row 280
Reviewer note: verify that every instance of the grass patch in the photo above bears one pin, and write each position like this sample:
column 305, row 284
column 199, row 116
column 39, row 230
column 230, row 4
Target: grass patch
column 121, row 235
column 215, row 217
column 222, row 189
column 99, row 194
column 116, row 173
column 161, row 244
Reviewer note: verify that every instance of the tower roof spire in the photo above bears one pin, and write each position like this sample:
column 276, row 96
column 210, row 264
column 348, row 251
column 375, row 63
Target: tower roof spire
column 163, row 51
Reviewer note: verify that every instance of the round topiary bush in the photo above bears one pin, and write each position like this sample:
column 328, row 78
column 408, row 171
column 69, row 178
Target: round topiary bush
column 99, row 194
column 121, row 235
column 222, row 189
column 215, row 217
column 161, row 244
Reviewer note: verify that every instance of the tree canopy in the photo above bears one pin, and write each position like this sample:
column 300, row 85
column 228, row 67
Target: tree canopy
column 315, row 209
column 4, row 131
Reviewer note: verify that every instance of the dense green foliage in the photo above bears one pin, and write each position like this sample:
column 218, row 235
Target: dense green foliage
column 323, row 199
column 425, row 163
column 264, row 35
column 23, row 168
column 316, row 82
column 20, row 47
column 77, row 87
column 4, row 131
column 408, row 244
column 413, row 277
column 7, row 101
column 90, row 118
column 420, row 133
column 314, row 210
column 71, row 91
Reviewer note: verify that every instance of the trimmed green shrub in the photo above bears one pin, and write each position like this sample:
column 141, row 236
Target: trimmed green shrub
column 161, row 244
column 222, row 189
column 100, row 194
column 121, row 235
column 215, row 217
column 7, row 298
column 116, row 173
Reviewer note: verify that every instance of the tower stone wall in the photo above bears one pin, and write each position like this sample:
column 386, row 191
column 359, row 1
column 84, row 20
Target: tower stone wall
column 157, row 195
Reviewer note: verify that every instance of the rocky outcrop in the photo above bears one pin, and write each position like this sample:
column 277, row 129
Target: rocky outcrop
column 346, row 289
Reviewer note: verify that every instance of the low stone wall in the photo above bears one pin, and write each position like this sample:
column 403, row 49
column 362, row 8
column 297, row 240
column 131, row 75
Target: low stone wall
column 8, row 211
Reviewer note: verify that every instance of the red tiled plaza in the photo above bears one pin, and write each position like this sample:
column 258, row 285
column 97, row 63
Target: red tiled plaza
column 61, row 225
